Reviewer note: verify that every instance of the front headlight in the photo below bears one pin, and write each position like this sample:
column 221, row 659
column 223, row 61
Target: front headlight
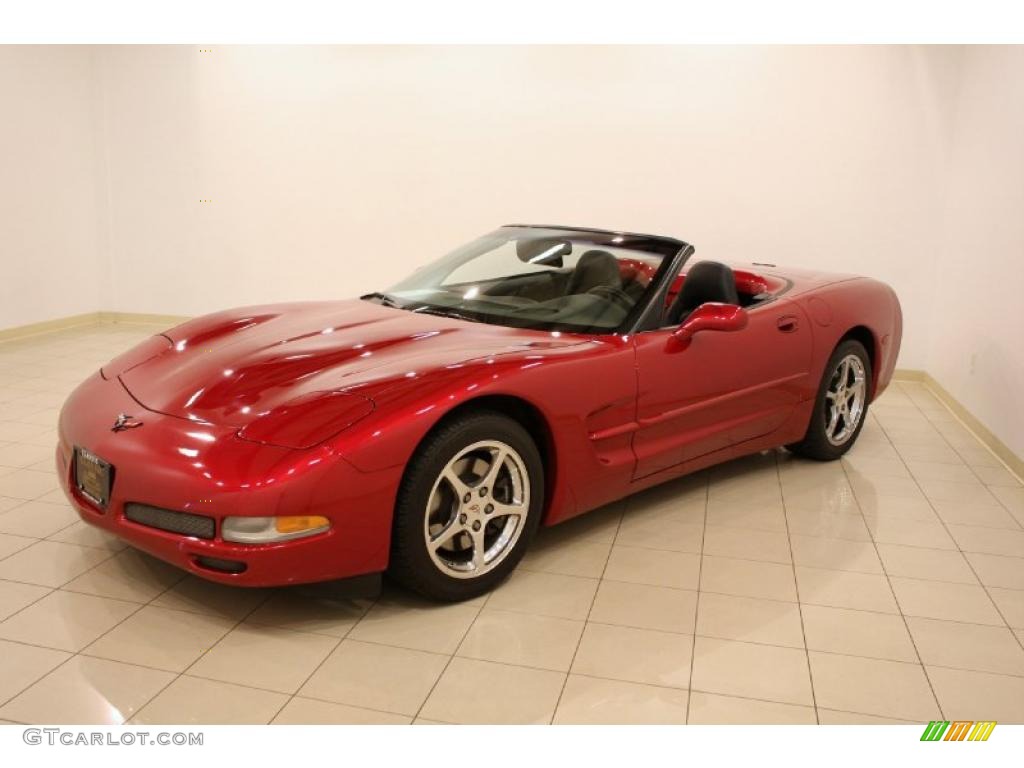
column 266, row 530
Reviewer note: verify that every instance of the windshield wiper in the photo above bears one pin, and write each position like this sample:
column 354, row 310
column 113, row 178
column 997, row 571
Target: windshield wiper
column 390, row 301
column 384, row 298
column 442, row 312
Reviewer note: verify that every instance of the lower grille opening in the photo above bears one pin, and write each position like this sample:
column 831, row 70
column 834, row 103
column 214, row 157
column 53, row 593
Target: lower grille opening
column 185, row 523
column 224, row 566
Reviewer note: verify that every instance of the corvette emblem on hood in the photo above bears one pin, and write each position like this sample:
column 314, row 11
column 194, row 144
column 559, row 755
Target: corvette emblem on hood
column 123, row 422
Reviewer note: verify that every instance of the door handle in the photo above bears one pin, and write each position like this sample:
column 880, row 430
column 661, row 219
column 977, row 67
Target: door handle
column 787, row 323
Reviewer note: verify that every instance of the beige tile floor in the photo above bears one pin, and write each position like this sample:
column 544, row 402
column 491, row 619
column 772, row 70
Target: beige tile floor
column 887, row 587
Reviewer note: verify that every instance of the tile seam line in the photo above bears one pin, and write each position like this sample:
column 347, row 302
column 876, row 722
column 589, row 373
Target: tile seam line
column 76, row 653
column 984, row 587
column 888, row 579
column 696, row 603
column 626, row 504
column 799, row 604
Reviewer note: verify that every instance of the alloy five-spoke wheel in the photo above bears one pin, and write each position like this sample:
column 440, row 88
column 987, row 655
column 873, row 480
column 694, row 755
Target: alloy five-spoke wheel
column 841, row 405
column 476, row 509
column 844, row 399
column 470, row 501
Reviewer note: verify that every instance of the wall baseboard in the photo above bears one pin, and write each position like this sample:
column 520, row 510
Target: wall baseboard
column 138, row 318
column 88, row 318
column 1002, row 451
column 908, row 374
column 49, row 326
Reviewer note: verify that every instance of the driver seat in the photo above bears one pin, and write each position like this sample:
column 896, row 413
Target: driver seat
column 705, row 281
column 594, row 268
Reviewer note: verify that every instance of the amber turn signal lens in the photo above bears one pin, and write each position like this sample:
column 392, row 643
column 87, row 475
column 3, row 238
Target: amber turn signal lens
column 300, row 523
column 265, row 530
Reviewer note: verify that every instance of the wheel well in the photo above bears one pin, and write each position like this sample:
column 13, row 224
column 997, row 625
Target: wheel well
column 531, row 419
column 867, row 338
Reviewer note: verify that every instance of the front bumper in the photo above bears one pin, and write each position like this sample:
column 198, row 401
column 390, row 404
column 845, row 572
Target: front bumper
column 196, row 468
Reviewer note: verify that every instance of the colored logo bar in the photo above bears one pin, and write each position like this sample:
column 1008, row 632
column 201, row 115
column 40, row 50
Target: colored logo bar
column 958, row 730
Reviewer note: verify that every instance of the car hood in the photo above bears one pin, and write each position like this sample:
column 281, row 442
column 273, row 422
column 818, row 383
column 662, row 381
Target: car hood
column 234, row 367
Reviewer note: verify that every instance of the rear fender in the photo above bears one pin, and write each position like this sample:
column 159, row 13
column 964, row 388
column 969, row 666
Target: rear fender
column 838, row 309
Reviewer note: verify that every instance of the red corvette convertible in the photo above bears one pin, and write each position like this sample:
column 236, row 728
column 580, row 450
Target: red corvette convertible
column 529, row 376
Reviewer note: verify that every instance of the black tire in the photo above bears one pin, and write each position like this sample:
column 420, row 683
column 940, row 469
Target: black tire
column 411, row 564
column 816, row 443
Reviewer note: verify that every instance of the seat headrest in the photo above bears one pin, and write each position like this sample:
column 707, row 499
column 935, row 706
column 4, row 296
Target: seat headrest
column 594, row 268
column 705, row 281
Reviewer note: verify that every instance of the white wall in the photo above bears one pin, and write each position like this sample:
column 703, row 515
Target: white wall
column 976, row 343
column 50, row 184
column 334, row 171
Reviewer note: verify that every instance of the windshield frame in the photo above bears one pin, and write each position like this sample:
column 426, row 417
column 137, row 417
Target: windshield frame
column 673, row 255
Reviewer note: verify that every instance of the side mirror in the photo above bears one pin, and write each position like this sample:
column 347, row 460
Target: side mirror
column 711, row 316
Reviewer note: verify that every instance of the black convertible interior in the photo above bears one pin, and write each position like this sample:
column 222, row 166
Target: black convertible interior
column 557, row 282
column 705, row 281
column 569, row 294
column 598, row 291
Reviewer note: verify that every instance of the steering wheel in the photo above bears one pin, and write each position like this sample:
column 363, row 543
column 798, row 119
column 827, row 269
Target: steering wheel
column 613, row 294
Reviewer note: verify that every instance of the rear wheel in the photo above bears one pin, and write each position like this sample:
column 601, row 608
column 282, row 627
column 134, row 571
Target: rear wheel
column 841, row 406
column 469, row 503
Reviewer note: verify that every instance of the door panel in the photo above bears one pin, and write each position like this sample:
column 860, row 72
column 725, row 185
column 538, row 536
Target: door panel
column 724, row 388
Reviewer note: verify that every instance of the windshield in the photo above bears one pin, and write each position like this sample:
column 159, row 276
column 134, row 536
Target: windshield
column 545, row 279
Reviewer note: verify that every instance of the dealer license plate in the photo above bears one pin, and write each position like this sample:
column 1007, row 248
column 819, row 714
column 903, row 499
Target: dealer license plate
column 92, row 477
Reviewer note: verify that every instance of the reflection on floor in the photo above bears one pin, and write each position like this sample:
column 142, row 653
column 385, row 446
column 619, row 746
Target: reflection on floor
column 887, row 587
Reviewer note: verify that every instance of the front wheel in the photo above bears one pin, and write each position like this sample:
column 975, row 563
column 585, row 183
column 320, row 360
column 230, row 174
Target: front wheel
column 469, row 503
column 841, row 406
